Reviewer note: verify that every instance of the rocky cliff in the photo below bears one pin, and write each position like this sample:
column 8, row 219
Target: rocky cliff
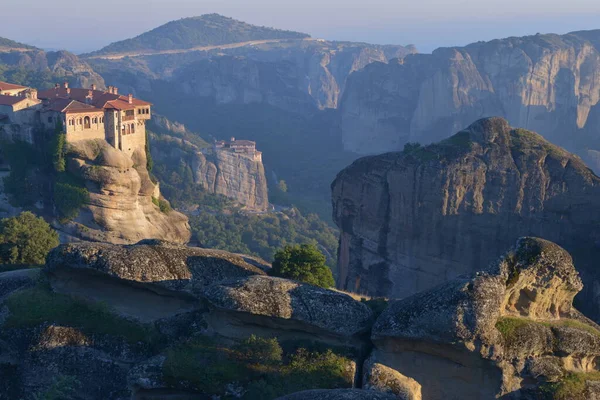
column 509, row 331
column 295, row 75
column 239, row 177
column 51, row 65
column 158, row 321
column 122, row 198
column 546, row 83
column 414, row 219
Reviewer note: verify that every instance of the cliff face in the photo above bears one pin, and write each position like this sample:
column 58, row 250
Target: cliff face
column 295, row 75
column 121, row 207
column 236, row 176
column 546, row 83
column 60, row 64
column 415, row 219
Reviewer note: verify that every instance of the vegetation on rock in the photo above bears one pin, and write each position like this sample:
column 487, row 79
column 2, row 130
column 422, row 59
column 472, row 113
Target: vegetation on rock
column 26, row 239
column 38, row 305
column 70, row 194
column 304, row 263
column 257, row 365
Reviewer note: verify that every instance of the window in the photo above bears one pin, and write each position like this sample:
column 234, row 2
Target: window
column 95, row 120
column 50, row 119
column 80, row 122
column 132, row 128
column 123, row 130
column 87, row 123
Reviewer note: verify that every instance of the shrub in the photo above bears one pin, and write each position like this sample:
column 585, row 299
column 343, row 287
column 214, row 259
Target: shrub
column 162, row 204
column 256, row 364
column 259, row 350
column 26, row 239
column 303, row 263
column 57, row 148
column 571, row 387
column 69, row 196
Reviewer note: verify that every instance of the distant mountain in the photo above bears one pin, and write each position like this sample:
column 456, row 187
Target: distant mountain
column 9, row 45
column 206, row 30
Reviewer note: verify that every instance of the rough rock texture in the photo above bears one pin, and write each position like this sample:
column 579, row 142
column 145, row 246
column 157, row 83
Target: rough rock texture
column 120, row 209
column 166, row 279
column 295, row 75
column 236, row 176
column 415, row 219
column 500, row 332
column 387, row 380
column 314, row 309
column 546, row 83
column 339, row 394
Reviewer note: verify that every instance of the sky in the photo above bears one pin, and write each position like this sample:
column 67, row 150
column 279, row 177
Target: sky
column 84, row 25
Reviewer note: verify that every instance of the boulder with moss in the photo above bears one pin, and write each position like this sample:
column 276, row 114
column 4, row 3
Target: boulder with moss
column 284, row 305
column 510, row 330
column 338, row 394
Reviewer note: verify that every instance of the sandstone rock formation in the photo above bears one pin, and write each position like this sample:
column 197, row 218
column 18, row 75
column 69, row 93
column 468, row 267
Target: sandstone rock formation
column 309, row 308
column 295, row 75
column 506, row 331
column 415, row 219
column 236, row 176
column 121, row 207
column 545, row 83
column 239, row 177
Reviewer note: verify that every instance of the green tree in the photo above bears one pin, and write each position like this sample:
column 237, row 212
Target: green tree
column 149, row 160
column 26, row 239
column 57, row 149
column 303, row 263
column 282, row 186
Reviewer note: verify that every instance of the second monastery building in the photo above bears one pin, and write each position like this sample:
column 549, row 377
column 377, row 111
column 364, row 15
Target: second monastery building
column 84, row 113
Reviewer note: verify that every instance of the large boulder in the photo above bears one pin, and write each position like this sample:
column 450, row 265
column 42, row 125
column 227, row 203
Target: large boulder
column 414, row 219
column 289, row 305
column 488, row 334
column 149, row 281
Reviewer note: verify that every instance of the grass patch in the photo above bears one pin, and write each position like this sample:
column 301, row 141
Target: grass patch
column 38, row 305
column 163, row 205
column 509, row 326
column 571, row 387
column 259, row 365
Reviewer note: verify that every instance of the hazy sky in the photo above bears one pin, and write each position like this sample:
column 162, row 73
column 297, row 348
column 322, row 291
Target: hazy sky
column 84, row 25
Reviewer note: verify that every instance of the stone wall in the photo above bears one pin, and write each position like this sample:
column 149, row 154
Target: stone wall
column 79, row 132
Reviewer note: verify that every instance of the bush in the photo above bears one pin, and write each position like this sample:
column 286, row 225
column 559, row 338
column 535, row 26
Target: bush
column 63, row 388
column 69, row 196
column 162, row 204
column 26, row 239
column 259, row 350
column 257, row 364
column 57, row 151
column 304, row 263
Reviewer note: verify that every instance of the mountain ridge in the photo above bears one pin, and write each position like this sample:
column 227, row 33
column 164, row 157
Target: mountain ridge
column 204, row 30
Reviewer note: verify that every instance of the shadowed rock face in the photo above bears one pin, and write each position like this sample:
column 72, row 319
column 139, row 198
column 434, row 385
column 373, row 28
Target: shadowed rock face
column 486, row 335
column 545, row 83
column 415, row 219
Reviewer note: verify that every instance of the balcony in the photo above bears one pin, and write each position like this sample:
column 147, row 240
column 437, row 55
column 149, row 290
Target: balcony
column 128, row 118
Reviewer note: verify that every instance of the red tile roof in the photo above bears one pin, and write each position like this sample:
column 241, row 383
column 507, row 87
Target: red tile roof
column 70, row 106
column 10, row 86
column 99, row 99
column 6, row 100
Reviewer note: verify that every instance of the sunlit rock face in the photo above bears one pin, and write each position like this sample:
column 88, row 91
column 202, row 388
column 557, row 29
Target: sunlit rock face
column 545, row 83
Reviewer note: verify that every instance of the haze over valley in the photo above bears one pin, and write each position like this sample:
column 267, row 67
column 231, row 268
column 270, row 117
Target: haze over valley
column 211, row 207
